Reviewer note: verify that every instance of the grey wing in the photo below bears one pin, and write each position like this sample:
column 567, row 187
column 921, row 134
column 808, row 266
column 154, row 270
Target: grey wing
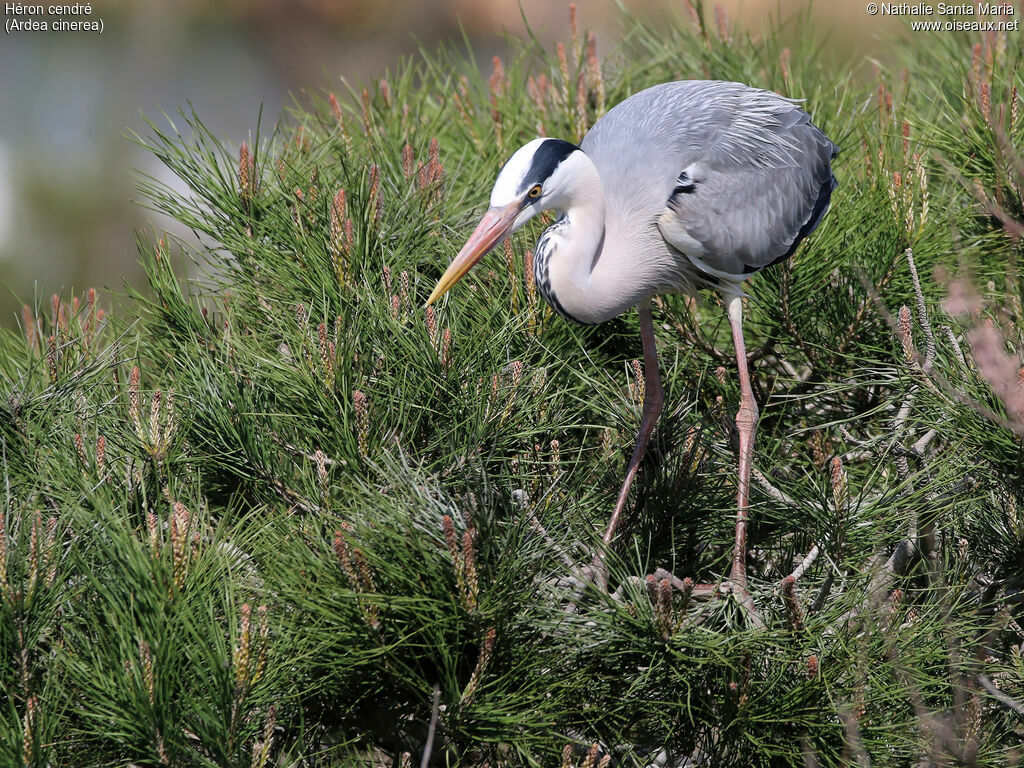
column 761, row 183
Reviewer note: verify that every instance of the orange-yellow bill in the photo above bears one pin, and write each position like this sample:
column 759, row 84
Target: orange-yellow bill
column 492, row 229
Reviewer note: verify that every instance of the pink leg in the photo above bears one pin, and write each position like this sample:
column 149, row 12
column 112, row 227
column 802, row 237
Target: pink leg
column 746, row 424
column 654, row 399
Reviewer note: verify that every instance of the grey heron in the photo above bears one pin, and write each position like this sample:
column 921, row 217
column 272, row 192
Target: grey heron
column 683, row 185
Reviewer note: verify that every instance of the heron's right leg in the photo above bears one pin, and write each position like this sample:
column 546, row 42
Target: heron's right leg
column 746, row 426
column 654, row 399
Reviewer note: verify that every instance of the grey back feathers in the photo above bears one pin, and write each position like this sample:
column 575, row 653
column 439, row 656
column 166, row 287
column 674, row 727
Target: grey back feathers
column 734, row 177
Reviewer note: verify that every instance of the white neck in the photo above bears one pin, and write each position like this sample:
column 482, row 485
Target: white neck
column 584, row 280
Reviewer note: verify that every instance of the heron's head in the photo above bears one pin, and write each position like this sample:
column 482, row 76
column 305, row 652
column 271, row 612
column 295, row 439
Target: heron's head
column 538, row 177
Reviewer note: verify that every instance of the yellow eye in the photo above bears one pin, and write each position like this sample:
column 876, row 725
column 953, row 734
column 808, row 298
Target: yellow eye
column 534, row 191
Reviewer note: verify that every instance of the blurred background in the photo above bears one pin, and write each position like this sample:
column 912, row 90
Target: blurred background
column 69, row 210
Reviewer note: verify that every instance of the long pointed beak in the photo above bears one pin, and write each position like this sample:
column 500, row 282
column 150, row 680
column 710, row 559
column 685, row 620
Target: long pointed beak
column 492, row 229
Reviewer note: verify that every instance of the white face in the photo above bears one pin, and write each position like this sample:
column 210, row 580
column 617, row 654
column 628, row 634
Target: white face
column 525, row 171
column 510, row 180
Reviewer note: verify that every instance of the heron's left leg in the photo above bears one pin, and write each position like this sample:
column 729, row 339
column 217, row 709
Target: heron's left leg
column 654, row 399
column 746, row 425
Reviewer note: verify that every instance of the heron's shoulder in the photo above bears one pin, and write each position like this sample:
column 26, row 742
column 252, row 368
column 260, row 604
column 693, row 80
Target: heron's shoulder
column 686, row 97
column 722, row 122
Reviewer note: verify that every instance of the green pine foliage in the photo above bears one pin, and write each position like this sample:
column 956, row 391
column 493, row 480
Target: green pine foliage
column 287, row 516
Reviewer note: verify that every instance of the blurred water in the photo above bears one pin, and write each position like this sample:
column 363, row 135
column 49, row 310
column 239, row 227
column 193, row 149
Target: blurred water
column 67, row 168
